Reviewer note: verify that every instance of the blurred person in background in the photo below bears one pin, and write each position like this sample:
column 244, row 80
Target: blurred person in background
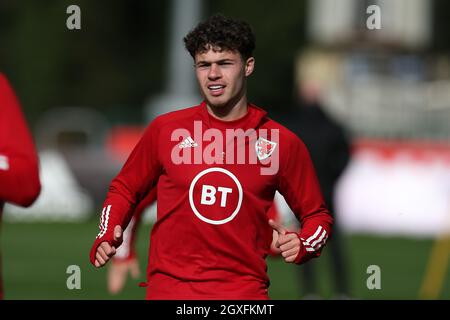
column 19, row 170
column 330, row 152
column 191, row 257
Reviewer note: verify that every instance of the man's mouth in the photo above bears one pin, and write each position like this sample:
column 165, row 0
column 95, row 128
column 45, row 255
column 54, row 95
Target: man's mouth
column 216, row 89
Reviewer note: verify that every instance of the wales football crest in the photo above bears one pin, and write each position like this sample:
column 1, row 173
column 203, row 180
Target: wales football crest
column 264, row 148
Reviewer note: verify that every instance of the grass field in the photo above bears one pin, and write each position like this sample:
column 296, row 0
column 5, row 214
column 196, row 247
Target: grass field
column 36, row 257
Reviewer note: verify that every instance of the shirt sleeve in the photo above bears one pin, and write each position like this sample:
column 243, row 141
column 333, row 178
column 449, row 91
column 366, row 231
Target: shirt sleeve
column 19, row 169
column 138, row 176
column 127, row 250
column 299, row 185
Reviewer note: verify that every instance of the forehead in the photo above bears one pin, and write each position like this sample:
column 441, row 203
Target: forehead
column 215, row 54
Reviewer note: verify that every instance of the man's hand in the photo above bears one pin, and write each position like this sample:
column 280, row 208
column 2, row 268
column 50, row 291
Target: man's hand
column 118, row 273
column 106, row 251
column 288, row 244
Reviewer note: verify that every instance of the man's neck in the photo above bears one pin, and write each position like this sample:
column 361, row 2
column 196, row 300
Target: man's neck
column 230, row 112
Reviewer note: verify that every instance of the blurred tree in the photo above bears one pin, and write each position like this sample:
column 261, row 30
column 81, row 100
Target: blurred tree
column 113, row 63
column 117, row 60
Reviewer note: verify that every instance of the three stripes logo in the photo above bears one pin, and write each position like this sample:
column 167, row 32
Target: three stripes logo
column 188, row 143
column 314, row 242
column 104, row 219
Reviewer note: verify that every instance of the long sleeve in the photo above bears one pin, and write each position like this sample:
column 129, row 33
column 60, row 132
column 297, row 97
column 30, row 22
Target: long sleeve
column 137, row 177
column 127, row 250
column 299, row 186
column 19, row 170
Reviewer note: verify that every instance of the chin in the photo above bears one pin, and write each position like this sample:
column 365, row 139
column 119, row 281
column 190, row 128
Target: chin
column 216, row 103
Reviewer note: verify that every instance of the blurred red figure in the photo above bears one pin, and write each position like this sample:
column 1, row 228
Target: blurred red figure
column 19, row 171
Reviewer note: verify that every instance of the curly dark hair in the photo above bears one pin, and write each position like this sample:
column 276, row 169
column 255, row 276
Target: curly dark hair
column 222, row 33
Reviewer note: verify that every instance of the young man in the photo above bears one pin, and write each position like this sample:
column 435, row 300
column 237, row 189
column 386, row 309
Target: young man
column 19, row 172
column 216, row 167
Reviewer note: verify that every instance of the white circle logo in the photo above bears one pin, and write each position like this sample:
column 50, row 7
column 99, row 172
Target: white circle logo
column 191, row 195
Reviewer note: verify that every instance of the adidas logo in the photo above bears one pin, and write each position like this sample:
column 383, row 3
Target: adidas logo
column 188, row 143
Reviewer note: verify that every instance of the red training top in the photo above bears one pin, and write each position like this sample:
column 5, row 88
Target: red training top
column 19, row 172
column 212, row 235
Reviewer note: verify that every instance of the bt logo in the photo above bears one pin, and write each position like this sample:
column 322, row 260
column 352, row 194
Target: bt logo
column 215, row 199
column 209, row 195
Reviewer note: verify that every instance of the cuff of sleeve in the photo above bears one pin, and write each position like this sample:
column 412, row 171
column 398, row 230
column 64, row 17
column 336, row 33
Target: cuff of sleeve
column 97, row 242
column 304, row 255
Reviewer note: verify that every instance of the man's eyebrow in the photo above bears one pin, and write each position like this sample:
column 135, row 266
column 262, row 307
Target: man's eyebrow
column 218, row 61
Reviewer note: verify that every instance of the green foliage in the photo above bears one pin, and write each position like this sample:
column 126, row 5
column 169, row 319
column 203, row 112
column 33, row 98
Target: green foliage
column 114, row 63
column 117, row 61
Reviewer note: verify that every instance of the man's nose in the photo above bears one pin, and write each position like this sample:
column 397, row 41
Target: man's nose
column 214, row 72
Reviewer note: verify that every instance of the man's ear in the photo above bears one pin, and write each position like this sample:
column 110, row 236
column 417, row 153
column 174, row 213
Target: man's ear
column 249, row 66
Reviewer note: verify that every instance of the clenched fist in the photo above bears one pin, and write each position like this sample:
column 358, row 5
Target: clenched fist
column 285, row 243
column 105, row 251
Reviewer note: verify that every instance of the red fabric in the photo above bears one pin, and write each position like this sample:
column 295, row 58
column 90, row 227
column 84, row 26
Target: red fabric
column 190, row 257
column 20, row 183
column 273, row 213
column 19, row 172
